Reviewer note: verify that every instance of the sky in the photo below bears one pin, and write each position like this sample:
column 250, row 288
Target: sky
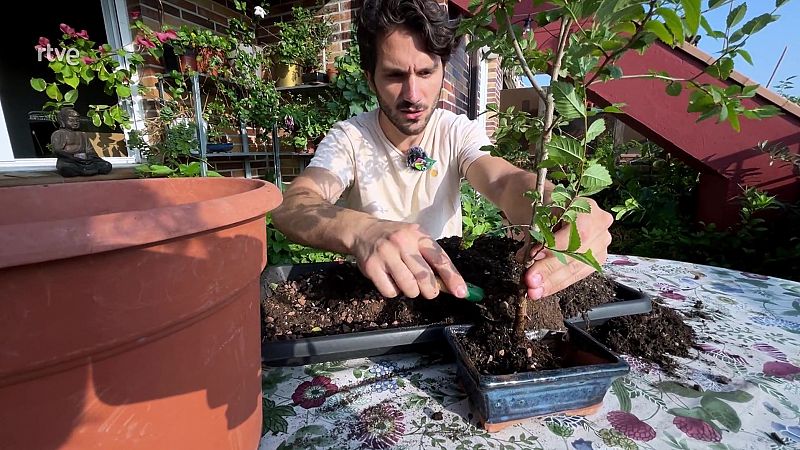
column 765, row 47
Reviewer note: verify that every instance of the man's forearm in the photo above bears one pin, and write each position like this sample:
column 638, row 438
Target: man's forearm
column 308, row 219
column 515, row 204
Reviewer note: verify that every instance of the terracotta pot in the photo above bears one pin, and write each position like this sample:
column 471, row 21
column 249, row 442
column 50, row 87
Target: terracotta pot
column 188, row 62
column 130, row 313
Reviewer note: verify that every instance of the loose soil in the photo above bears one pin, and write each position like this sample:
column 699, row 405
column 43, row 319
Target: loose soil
column 654, row 337
column 341, row 300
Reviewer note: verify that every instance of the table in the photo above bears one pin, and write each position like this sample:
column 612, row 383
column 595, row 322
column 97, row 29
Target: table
column 748, row 366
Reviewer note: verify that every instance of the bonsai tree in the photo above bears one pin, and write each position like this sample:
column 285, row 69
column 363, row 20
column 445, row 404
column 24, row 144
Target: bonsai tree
column 591, row 36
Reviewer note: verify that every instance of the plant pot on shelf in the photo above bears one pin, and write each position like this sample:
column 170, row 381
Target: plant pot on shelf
column 132, row 306
column 286, row 75
column 578, row 388
column 313, row 77
column 187, row 61
column 219, row 147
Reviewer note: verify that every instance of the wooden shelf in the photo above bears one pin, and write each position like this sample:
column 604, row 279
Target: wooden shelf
column 231, row 154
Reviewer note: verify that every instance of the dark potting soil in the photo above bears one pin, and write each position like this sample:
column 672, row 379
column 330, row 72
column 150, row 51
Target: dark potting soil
column 341, row 300
column 654, row 337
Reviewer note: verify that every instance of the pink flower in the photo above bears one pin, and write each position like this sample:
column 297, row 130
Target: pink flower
column 673, row 295
column 102, row 49
column 166, row 35
column 312, row 394
column 144, row 42
column 631, row 426
column 68, row 30
column 135, row 15
column 87, row 60
column 698, row 429
column 623, row 262
column 379, row 426
column 83, row 34
column 43, row 43
column 780, row 369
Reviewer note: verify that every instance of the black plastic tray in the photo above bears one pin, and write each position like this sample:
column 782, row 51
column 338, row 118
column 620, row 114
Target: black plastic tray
column 426, row 338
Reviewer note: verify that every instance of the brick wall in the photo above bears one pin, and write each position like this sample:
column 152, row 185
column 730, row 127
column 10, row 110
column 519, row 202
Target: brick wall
column 494, row 86
column 455, row 94
column 339, row 12
column 214, row 14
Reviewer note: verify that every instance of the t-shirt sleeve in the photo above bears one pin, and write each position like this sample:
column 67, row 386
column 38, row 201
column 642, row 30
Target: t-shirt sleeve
column 471, row 136
column 335, row 153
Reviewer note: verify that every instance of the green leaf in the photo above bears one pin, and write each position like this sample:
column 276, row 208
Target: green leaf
column 745, row 55
column 673, row 22
column 594, row 179
column 96, row 120
column 712, row 4
column 568, row 105
column 71, row 96
column 270, row 380
column 733, row 118
column 660, row 31
column 615, row 108
column 574, row 238
column 692, row 413
column 691, row 10
column 273, row 417
column 559, row 255
column 72, row 81
column 753, row 26
column 564, row 150
column 581, row 205
column 721, row 69
column 622, row 394
column 123, row 91
column 722, row 413
column 560, row 196
column 38, row 84
column 595, row 129
column 736, row 15
column 53, row 92
column 674, row 88
column 671, row 387
column 159, row 169
column 779, row 3
column 587, row 258
column 738, row 396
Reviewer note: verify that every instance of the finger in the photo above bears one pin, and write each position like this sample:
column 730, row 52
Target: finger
column 402, row 275
column 423, row 273
column 441, row 264
column 556, row 275
column 381, row 279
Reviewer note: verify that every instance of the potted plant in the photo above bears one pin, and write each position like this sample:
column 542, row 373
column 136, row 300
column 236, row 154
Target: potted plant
column 133, row 299
column 300, row 46
column 513, row 358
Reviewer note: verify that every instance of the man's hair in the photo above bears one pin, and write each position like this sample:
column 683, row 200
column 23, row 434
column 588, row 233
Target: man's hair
column 425, row 18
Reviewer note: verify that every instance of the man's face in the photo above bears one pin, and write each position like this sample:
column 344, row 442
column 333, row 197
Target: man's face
column 407, row 81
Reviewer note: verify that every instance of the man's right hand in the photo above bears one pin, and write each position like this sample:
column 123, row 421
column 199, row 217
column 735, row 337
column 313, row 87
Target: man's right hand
column 401, row 259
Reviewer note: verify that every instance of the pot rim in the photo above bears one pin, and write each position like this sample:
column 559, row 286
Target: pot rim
column 616, row 367
column 79, row 236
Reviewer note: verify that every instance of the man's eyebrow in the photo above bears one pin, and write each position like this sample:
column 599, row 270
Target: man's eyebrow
column 391, row 70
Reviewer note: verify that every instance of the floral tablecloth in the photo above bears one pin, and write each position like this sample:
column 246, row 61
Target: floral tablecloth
column 747, row 369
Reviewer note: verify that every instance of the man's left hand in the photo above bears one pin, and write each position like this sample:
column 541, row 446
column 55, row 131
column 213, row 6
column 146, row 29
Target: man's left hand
column 548, row 275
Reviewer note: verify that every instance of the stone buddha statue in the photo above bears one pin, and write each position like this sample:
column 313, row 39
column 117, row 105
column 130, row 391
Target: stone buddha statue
column 76, row 156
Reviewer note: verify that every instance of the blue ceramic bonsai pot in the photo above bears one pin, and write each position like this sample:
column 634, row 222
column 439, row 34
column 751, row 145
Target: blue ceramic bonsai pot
column 503, row 400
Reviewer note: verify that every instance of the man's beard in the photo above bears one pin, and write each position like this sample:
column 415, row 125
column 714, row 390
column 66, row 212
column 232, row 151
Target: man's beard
column 405, row 126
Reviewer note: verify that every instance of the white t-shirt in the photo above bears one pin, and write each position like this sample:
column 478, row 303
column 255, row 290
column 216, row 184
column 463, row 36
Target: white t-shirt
column 378, row 181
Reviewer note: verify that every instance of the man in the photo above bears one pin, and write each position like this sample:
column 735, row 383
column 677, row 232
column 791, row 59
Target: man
column 398, row 206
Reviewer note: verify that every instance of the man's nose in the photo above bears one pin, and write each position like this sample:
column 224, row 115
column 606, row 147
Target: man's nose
column 411, row 91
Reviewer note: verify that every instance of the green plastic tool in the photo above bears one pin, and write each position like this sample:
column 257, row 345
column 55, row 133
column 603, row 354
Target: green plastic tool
column 474, row 293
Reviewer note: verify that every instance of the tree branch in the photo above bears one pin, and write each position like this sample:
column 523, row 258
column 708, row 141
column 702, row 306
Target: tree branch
column 521, row 58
